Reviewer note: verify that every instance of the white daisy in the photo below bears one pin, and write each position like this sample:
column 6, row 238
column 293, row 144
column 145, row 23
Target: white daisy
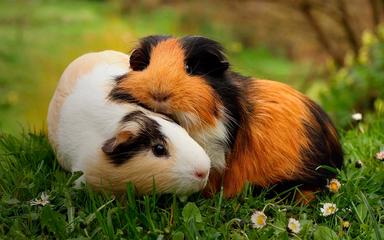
column 334, row 185
column 294, row 225
column 328, row 209
column 380, row 155
column 357, row 116
column 259, row 219
column 42, row 201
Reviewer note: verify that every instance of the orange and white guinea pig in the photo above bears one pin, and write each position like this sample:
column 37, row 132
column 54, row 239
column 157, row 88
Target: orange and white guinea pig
column 258, row 131
column 114, row 143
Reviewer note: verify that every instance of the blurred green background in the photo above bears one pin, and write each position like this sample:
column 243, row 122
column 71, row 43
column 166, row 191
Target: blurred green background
column 331, row 50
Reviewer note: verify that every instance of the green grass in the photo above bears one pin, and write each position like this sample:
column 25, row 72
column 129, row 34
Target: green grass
column 28, row 168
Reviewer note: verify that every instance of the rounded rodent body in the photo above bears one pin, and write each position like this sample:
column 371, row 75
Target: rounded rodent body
column 256, row 131
column 116, row 143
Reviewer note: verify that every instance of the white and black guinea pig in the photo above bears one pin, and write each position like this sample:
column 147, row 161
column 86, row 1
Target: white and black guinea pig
column 116, row 143
column 258, row 131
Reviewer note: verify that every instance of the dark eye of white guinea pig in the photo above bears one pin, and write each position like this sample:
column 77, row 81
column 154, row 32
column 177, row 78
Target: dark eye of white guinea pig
column 159, row 150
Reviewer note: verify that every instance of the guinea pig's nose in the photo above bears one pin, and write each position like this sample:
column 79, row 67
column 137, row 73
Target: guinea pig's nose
column 160, row 96
column 200, row 174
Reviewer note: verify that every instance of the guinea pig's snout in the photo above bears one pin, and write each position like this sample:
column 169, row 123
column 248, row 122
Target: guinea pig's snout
column 200, row 174
column 160, row 96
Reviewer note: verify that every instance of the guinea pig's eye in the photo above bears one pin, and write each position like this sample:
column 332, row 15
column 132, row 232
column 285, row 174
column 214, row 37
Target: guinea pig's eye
column 188, row 69
column 159, row 150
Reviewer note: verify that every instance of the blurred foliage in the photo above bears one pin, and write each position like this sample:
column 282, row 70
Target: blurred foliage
column 301, row 29
column 37, row 42
column 38, row 39
column 359, row 86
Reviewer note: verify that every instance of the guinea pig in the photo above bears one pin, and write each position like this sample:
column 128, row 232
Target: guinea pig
column 116, row 143
column 257, row 131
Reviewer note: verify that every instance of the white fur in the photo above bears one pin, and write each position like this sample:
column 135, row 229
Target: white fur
column 213, row 140
column 87, row 119
column 191, row 154
column 187, row 119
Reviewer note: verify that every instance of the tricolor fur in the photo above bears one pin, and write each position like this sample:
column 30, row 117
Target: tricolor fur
column 116, row 143
column 259, row 131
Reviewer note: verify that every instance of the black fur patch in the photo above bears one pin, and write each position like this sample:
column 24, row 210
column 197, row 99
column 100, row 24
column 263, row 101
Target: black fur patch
column 325, row 149
column 148, row 136
column 123, row 96
column 206, row 58
column 231, row 95
column 140, row 57
column 120, row 78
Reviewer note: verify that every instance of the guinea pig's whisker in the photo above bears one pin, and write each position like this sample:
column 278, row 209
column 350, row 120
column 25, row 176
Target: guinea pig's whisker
column 193, row 44
column 212, row 70
column 231, row 120
column 196, row 66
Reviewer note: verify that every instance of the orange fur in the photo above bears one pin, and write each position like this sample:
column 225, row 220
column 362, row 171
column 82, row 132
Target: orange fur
column 267, row 150
column 168, row 75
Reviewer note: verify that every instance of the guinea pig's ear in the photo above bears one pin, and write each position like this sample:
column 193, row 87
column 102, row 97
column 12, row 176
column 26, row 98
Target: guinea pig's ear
column 141, row 56
column 139, row 59
column 204, row 56
column 112, row 144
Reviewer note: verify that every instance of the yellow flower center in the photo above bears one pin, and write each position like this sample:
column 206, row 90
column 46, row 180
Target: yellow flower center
column 346, row 224
column 333, row 186
column 331, row 210
column 260, row 220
